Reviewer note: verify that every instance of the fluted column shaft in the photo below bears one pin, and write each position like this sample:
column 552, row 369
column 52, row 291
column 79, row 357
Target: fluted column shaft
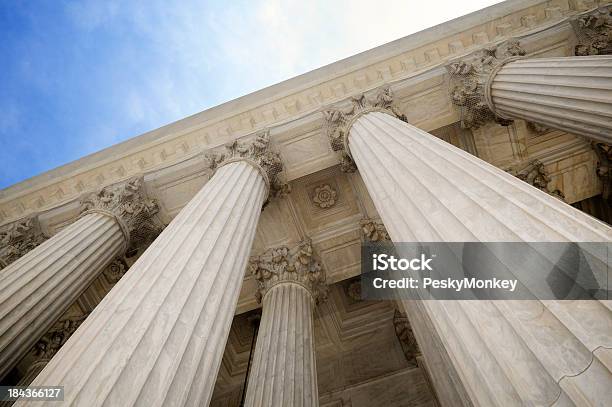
column 283, row 371
column 503, row 352
column 41, row 285
column 573, row 94
column 158, row 337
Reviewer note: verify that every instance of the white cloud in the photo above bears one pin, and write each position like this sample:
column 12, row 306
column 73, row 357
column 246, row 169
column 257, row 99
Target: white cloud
column 201, row 54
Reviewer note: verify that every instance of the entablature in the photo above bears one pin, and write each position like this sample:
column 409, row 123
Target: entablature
column 412, row 66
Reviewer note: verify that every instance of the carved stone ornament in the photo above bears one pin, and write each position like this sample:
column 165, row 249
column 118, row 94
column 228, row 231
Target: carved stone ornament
column 338, row 123
column 18, row 238
column 469, row 80
column 604, row 168
column 353, row 290
column 324, row 196
column 535, row 174
column 56, row 337
column 374, row 231
column 258, row 153
column 594, row 32
column 537, row 128
column 284, row 265
column 404, row 334
column 115, row 270
column 129, row 203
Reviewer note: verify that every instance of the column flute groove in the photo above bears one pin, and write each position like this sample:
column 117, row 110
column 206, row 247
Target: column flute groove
column 572, row 94
column 45, row 281
column 283, row 372
column 502, row 352
column 159, row 335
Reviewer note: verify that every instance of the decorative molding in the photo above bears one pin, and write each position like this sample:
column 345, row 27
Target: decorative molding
column 115, row 270
column 284, row 265
column 470, row 78
column 325, row 196
column 257, row 153
column 406, row 337
column 604, row 168
column 374, row 231
column 594, row 32
column 353, row 290
column 180, row 141
column 538, row 129
column 18, row 238
column 56, row 337
column 338, row 123
column 535, row 174
column 134, row 211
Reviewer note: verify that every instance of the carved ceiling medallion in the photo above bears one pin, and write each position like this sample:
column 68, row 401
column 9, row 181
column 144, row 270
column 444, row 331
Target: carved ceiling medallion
column 325, row 196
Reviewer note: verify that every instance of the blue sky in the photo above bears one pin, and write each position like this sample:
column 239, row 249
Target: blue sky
column 79, row 76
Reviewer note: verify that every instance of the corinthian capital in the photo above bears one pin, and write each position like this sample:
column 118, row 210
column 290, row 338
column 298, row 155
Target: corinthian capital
column 289, row 265
column 470, row 78
column 18, row 238
column 129, row 204
column 535, row 174
column 338, row 122
column 594, row 32
column 258, row 153
column 374, row 231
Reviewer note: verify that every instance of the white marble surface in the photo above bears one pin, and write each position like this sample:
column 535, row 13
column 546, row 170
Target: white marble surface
column 573, row 94
column 284, row 370
column 158, row 337
column 504, row 353
column 40, row 286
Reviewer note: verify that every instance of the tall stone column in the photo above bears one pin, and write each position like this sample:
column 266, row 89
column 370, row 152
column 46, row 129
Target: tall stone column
column 504, row 353
column 38, row 287
column 158, row 337
column 572, row 94
column 284, row 371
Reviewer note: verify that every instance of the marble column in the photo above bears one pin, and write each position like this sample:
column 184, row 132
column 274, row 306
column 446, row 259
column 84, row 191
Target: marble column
column 41, row 285
column 158, row 337
column 284, row 371
column 503, row 353
column 572, row 94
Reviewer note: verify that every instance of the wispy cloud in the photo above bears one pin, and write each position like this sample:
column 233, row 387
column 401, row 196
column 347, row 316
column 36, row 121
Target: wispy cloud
column 80, row 76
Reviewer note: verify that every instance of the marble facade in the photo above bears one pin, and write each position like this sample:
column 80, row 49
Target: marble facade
column 137, row 275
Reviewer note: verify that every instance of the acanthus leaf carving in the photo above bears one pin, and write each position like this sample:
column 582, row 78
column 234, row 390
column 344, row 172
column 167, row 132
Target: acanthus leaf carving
column 604, row 168
column 18, row 238
column 469, row 78
column 289, row 265
column 594, row 32
column 338, row 122
column 535, row 174
column 130, row 205
column 374, row 231
column 257, row 152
